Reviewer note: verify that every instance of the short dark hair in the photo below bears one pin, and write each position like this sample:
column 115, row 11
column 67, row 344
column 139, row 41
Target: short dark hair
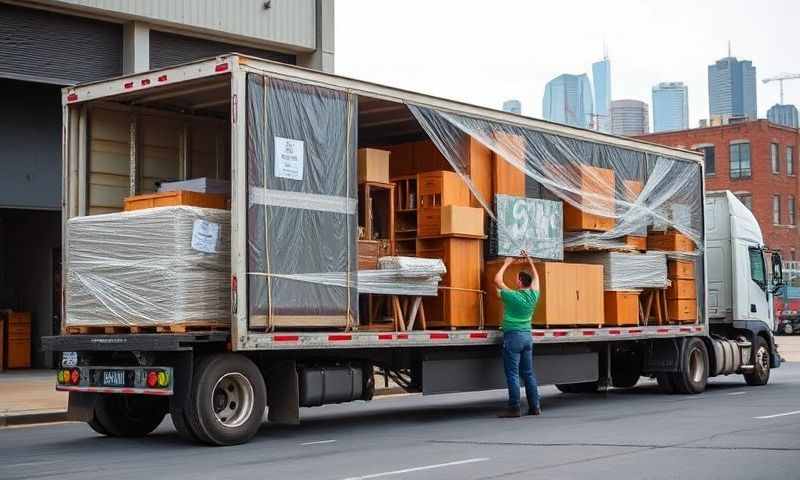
column 525, row 279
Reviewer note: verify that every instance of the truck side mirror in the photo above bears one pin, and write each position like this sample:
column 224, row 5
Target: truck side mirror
column 777, row 272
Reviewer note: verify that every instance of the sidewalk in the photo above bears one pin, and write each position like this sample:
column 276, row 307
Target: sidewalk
column 29, row 396
column 789, row 347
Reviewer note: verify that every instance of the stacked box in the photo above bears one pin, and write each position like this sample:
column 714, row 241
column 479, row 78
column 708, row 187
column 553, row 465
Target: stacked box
column 682, row 293
column 151, row 267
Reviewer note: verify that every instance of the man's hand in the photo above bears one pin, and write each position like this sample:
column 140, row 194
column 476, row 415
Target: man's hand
column 508, row 261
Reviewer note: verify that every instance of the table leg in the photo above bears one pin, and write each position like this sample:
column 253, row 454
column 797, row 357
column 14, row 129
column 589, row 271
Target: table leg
column 412, row 315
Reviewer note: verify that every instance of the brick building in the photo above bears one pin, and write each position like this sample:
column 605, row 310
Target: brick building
column 757, row 161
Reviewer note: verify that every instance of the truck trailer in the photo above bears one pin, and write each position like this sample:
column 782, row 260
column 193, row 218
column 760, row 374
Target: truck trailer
column 227, row 117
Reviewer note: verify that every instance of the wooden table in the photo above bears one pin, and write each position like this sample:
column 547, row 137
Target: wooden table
column 405, row 311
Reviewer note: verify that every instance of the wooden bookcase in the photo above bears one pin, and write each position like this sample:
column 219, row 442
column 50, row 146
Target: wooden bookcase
column 405, row 214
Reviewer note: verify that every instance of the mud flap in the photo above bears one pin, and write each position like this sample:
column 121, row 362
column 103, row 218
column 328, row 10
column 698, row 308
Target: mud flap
column 283, row 393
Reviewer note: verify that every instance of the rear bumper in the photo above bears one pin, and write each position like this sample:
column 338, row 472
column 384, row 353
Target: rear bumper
column 117, row 390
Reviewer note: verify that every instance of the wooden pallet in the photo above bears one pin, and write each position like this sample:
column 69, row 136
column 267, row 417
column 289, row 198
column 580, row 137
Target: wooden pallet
column 124, row 329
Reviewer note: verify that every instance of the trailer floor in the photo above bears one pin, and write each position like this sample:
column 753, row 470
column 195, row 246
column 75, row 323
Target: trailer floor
column 623, row 434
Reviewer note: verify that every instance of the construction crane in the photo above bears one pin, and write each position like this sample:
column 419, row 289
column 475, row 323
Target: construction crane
column 780, row 78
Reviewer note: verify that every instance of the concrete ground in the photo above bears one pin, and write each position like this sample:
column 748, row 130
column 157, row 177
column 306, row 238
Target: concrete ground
column 731, row 431
column 789, row 346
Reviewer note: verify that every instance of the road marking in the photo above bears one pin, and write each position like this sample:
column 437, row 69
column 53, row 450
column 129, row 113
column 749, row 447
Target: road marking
column 319, row 442
column 418, row 469
column 737, row 393
column 778, row 415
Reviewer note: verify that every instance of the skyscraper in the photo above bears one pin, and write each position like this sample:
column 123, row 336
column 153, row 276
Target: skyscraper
column 670, row 106
column 732, row 88
column 568, row 99
column 785, row 115
column 513, row 106
column 629, row 117
column 601, row 76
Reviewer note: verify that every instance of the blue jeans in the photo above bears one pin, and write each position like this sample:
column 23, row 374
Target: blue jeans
column 518, row 362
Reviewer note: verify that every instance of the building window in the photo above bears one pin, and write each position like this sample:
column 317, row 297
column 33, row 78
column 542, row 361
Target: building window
column 774, row 158
column 746, row 199
column 740, row 160
column 789, row 160
column 790, row 210
column 708, row 159
column 776, row 209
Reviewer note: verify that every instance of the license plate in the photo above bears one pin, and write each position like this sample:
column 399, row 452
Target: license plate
column 69, row 359
column 114, row 378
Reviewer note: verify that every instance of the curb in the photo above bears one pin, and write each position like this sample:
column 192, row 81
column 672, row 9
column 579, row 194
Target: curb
column 31, row 418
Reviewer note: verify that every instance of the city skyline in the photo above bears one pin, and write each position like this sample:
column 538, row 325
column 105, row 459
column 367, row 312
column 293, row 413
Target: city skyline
column 670, row 103
column 500, row 64
column 568, row 99
column 732, row 88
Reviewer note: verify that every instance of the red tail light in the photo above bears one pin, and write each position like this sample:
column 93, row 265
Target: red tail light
column 127, row 85
column 162, row 78
column 75, row 376
column 222, row 67
column 72, row 97
column 152, row 378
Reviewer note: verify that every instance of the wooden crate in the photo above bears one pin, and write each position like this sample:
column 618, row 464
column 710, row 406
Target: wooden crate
column 684, row 311
column 18, row 340
column 636, row 242
column 669, row 241
column 621, row 307
column 576, row 220
column 680, row 269
column 682, row 289
column 459, row 306
column 181, row 197
column 571, row 294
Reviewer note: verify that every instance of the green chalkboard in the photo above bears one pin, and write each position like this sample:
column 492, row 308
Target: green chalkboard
column 529, row 224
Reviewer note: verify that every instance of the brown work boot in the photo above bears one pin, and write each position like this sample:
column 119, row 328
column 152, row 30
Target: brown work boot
column 534, row 411
column 510, row 412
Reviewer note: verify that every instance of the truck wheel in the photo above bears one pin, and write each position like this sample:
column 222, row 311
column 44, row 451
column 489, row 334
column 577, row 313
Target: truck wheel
column 760, row 373
column 787, row 328
column 694, row 374
column 183, row 427
column 228, row 399
column 128, row 415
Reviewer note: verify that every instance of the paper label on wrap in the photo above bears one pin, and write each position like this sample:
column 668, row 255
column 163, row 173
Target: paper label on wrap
column 205, row 236
column 289, row 155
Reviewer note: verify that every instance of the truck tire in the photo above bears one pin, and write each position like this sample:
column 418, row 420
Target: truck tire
column 228, row 400
column 760, row 373
column 183, row 427
column 693, row 376
column 128, row 415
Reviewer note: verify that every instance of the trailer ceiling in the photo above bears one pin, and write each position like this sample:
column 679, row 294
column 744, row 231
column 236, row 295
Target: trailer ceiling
column 207, row 96
column 383, row 122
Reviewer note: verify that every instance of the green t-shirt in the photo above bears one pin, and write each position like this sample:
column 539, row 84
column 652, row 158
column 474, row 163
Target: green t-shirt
column 518, row 308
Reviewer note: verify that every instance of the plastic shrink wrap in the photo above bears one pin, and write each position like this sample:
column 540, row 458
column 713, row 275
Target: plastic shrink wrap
column 151, row 267
column 626, row 271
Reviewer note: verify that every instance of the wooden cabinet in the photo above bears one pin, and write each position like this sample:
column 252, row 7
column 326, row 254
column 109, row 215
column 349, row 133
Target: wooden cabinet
column 460, row 305
column 680, row 269
column 600, row 183
column 434, row 190
column 18, row 340
column 507, row 179
column 405, row 223
column 180, row 197
column 669, row 242
column 621, row 308
column 571, row 294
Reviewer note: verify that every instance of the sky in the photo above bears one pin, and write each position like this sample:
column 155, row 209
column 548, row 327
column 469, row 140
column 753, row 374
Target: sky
column 484, row 52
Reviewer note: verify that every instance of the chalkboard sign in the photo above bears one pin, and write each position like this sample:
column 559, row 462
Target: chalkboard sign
column 530, row 224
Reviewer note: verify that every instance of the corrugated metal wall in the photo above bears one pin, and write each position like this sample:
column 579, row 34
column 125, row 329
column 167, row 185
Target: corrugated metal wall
column 170, row 49
column 290, row 23
column 55, row 48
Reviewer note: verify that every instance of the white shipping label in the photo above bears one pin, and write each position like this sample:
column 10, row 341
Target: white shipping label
column 69, row 359
column 289, row 155
column 205, row 236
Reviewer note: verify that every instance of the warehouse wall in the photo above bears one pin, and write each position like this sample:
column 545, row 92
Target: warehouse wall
column 287, row 23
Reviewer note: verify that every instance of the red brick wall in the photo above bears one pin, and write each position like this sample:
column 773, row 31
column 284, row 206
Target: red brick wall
column 762, row 184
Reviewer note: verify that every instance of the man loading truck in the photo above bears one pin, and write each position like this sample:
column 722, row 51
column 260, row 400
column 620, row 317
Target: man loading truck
column 518, row 308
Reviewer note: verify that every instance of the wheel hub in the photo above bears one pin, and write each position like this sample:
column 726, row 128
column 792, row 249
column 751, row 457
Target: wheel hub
column 232, row 399
column 762, row 358
column 696, row 366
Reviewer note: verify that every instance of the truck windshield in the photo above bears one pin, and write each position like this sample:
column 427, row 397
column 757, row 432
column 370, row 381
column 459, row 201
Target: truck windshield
column 757, row 271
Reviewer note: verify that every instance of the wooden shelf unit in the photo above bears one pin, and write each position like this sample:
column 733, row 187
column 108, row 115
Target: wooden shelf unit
column 405, row 215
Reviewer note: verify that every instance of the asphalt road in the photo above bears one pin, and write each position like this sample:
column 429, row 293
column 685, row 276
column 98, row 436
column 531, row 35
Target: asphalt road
column 731, row 431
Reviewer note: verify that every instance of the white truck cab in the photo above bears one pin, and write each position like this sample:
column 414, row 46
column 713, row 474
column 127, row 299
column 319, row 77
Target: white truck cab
column 742, row 276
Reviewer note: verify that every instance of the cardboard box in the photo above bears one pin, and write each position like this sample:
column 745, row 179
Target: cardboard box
column 684, row 311
column 621, row 307
column 180, row 197
column 682, row 289
column 680, row 269
column 373, row 165
column 669, row 242
column 457, row 220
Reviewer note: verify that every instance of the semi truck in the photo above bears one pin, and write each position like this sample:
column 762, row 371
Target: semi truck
column 219, row 385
